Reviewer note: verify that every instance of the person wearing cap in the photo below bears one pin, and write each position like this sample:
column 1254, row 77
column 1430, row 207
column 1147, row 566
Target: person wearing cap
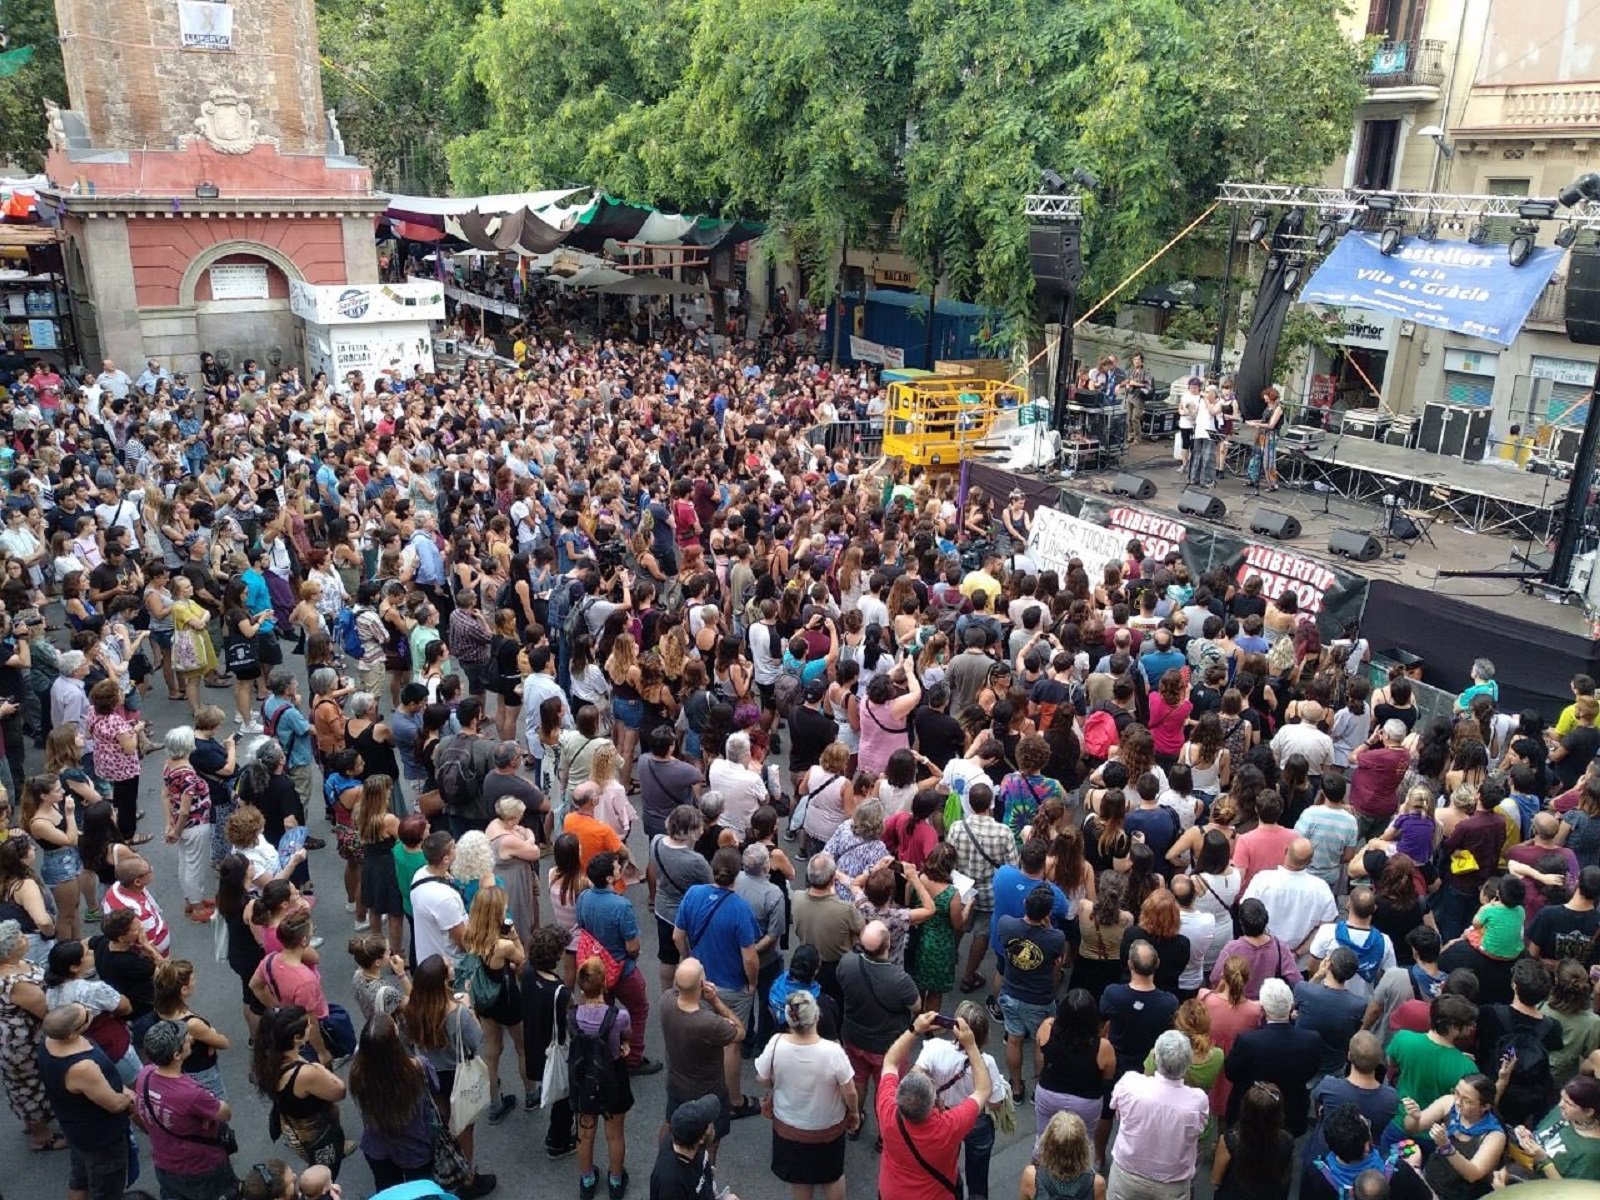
column 185, row 1121
column 684, row 1167
column 811, row 728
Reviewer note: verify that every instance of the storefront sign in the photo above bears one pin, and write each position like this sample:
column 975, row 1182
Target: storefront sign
column 1471, row 362
column 239, row 281
column 205, row 25
column 1056, row 539
column 876, row 352
column 1371, row 331
column 893, row 278
column 1562, row 370
column 1469, row 289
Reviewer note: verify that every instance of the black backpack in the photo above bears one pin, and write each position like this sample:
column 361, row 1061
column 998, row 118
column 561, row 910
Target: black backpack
column 459, row 785
column 1532, row 1075
column 589, row 1062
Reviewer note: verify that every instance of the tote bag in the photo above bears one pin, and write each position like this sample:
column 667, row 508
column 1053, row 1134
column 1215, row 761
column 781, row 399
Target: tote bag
column 469, row 1095
column 554, row 1085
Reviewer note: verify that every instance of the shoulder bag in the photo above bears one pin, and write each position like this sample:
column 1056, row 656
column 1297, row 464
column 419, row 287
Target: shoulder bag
column 554, row 1084
column 469, row 1094
column 226, row 1138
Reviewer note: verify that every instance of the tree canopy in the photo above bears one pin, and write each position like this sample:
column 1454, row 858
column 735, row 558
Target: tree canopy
column 31, row 74
column 838, row 121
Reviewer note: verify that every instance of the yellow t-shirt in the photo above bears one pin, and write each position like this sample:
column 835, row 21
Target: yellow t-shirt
column 1567, row 719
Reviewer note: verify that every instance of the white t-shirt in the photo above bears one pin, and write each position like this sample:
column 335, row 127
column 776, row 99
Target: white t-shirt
column 1297, row 902
column 1308, row 740
column 806, row 1081
column 970, row 772
column 946, row 1064
column 1202, row 930
column 742, row 791
column 436, row 909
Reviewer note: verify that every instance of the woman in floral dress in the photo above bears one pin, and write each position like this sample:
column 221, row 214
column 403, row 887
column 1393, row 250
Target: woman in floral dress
column 22, row 1009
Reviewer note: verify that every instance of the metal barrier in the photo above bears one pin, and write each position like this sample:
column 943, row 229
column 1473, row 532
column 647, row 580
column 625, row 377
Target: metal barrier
column 861, row 438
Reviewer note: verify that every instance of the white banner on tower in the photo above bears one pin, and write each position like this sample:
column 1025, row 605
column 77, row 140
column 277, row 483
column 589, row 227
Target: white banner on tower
column 205, row 24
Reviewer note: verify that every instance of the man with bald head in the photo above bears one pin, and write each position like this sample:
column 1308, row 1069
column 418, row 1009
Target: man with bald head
column 880, row 1000
column 89, row 1102
column 1297, row 902
column 699, row 1030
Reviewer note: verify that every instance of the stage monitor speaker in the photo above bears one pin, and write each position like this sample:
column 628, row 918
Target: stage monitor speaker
column 1137, row 486
column 1280, row 525
column 1583, row 295
column 1056, row 256
column 1198, row 503
column 1355, row 543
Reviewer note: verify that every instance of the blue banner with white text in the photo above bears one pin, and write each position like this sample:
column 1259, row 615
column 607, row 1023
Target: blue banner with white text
column 1468, row 289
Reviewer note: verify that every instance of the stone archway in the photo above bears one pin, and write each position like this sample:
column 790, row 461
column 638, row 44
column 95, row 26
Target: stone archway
column 270, row 254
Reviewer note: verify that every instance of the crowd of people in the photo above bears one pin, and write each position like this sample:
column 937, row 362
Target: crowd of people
column 642, row 720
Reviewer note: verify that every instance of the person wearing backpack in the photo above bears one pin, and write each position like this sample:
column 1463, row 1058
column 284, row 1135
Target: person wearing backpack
column 1515, row 1042
column 462, row 764
column 282, row 719
column 600, row 1037
column 608, row 928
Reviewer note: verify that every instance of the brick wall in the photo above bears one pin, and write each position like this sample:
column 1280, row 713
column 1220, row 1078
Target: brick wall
column 162, row 249
column 138, row 89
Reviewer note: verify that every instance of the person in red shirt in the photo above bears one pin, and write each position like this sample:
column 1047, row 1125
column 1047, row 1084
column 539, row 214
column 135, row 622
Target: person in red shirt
column 1264, row 846
column 921, row 1142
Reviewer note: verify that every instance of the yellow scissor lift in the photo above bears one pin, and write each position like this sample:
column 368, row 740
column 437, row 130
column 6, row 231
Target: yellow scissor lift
column 939, row 420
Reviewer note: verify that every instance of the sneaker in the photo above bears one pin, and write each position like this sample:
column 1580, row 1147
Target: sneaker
column 316, row 941
column 647, row 1066
column 554, row 1152
column 349, row 906
column 499, row 1112
column 992, row 1003
column 92, row 916
column 252, row 727
column 618, row 1188
column 587, row 1187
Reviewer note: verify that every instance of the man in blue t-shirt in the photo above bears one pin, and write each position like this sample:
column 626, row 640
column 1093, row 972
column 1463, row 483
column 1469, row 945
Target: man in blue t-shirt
column 608, row 917
column 717, row 926
column 1029, row 950
column 1011, row 887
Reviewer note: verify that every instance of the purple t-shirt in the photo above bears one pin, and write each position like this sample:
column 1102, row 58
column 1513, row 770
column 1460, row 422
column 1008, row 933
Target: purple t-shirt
column 180, row 1105
column 592, row 1016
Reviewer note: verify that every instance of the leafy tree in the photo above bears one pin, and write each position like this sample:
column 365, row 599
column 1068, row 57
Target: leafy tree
column 29, row 23
column 394, row 71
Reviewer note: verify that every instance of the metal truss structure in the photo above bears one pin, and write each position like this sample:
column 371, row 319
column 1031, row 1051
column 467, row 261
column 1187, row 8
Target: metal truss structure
column 1335, row 204
column 1041, row 207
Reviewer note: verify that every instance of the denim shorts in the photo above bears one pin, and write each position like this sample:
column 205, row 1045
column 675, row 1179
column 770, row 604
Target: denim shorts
column 60, row 865
column 1023, row 1019
column 628, row 713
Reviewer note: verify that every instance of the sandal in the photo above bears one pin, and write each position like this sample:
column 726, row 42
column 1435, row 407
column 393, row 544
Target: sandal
column 138, row 839
column 749, row 1108
column 968, row 986
column 56, row 1142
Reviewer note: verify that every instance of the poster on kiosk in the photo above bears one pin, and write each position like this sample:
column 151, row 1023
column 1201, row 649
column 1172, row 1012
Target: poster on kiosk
column 376, row 329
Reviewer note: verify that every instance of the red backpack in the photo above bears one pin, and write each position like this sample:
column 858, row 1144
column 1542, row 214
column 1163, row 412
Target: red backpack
column 1100, row 735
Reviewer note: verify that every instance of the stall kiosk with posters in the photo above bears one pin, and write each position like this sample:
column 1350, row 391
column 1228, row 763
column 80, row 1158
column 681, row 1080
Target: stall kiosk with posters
column 378, row 329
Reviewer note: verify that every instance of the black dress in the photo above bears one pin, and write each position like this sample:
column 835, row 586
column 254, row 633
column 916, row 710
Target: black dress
column 377, row 758
column 380, row 887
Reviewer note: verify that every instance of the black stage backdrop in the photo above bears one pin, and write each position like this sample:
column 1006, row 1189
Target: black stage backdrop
column 1533, row 663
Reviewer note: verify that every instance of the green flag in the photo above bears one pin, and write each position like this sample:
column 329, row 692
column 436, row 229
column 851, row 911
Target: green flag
column 13, row 61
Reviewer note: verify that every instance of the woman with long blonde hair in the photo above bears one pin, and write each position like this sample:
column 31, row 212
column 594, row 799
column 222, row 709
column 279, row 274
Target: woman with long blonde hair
column 627, row 705
column 491, row 973
column 379, row 828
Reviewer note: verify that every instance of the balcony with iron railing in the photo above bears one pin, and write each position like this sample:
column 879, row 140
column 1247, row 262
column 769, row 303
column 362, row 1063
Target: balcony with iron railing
column 1416, row 63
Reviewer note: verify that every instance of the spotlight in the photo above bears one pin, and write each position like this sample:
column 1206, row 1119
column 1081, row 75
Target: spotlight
column 1522, row 242
column 1394, row 232
column 1536, row 210
column 1428, row 231
column 1584, row 187
column 1051, row 184
column 1479, row 234
column 1567, row 235
column 1258, row 225
column 1086, row 179
column 1293, row 273
column 1326, row 232
column 1381, row 202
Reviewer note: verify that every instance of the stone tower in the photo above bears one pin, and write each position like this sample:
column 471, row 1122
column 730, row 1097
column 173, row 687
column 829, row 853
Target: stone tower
column 198, row 174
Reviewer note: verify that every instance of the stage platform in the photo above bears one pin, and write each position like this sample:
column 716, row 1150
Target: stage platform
column 1459, row 543
column 1486, row 497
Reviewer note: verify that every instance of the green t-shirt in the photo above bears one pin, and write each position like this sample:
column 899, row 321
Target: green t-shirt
column 1575, row 1156
column 1502, row 930
column 1428, row 1070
